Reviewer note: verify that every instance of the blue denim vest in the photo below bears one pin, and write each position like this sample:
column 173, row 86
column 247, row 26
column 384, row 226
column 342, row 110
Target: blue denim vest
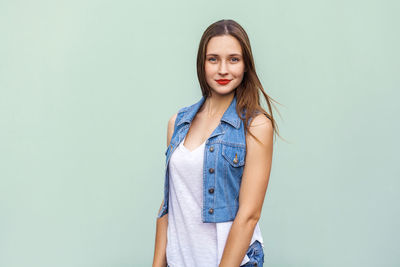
column 224, row 158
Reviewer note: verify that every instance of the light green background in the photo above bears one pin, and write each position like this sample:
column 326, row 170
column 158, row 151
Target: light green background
column 87, row 88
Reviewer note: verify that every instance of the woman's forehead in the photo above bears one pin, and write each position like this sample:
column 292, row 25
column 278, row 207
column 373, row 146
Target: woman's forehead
column 223, row 45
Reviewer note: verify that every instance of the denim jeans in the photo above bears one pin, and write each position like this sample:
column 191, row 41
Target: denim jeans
column 255, row 254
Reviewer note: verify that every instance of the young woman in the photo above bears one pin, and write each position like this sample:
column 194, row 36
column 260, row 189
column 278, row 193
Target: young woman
column 218, row 161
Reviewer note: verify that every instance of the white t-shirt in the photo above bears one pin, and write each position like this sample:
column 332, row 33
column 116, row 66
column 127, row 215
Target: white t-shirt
column 190, row 242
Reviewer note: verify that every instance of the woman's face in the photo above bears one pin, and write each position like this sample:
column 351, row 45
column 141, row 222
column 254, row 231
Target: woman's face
column 224, row 60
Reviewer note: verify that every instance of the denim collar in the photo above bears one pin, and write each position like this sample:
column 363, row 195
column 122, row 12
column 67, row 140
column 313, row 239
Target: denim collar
column 230, row 116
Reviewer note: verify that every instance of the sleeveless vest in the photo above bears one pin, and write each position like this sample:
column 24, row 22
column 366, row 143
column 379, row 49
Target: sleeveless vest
column 224, row 158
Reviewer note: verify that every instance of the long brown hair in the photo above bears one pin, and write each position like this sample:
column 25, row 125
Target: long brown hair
column 247, row 93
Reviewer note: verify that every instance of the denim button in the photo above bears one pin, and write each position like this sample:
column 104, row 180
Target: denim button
column 211, row 170
column 211, row 149
column 211, row 211
column 211, row 190
column 255, row 264
column 235, row 160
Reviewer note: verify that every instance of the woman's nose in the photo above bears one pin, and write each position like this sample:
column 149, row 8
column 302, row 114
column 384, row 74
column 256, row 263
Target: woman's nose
column 222, row 69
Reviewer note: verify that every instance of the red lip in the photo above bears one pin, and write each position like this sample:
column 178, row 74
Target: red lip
column 223, row 81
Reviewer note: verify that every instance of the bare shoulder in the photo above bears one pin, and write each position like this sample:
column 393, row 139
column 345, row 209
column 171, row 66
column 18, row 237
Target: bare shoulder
column 170, row 130
column 171, row 121
column 261, row 127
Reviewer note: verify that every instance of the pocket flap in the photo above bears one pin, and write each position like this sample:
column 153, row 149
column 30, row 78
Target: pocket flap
column 234, row 155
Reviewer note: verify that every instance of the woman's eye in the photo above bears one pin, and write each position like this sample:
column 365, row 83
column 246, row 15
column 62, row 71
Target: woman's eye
column 213, row 59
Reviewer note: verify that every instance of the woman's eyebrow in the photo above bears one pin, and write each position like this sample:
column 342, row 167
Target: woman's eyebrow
column 228, row 55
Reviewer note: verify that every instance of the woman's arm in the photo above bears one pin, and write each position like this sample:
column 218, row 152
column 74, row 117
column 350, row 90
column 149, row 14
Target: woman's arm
column 160, row 259
column 252, row 191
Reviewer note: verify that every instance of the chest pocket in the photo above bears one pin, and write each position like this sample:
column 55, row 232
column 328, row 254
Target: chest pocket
column 234, row 155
